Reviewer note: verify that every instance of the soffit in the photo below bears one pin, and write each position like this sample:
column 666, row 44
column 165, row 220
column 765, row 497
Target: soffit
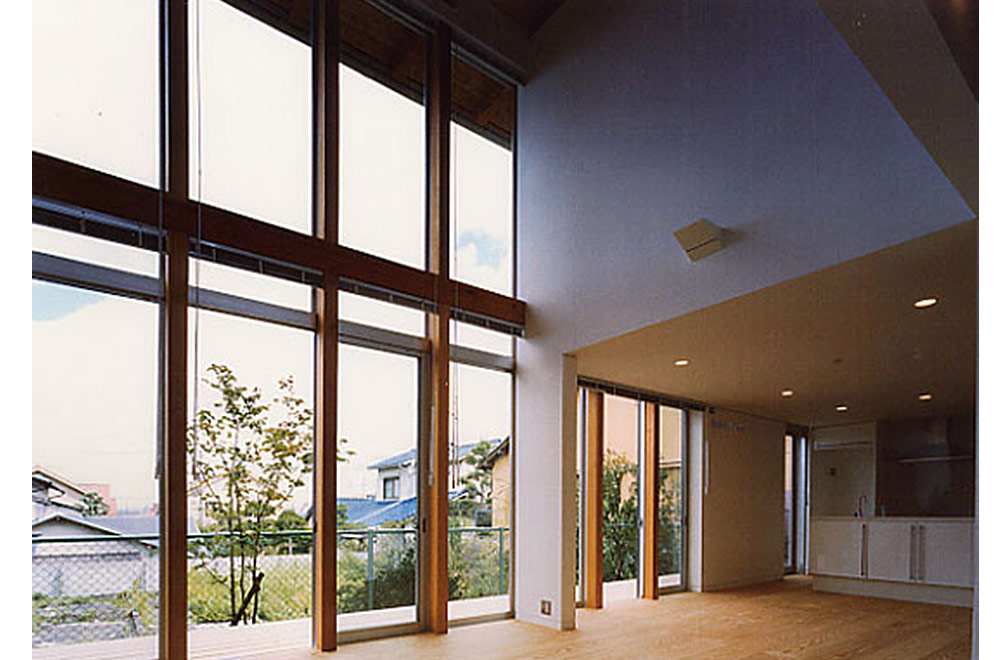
column 847, row 334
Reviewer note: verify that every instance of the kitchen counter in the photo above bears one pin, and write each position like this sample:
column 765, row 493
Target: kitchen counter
column 929, row 559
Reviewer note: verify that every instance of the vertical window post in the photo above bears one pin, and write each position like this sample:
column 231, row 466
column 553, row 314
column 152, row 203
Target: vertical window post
column 173, row 468
column 438, row 152
column 650, row 504
column 325, row 181
column 593, row 574
column 173, row 475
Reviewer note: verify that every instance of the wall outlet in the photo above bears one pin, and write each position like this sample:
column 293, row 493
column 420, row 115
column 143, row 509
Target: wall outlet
column 546, row 607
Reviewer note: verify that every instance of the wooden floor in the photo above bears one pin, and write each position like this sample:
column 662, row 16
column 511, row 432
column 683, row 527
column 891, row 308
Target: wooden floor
column 776, row 621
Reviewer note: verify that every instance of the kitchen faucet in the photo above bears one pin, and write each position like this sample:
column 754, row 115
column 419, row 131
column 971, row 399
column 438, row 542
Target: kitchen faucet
column 862, row 500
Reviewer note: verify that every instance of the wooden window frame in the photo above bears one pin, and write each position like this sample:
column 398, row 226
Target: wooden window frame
column 170, row 210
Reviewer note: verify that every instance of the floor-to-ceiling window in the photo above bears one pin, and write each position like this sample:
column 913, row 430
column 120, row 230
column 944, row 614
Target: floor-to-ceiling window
column 631, row 485
column 94, row 479
column 620, row 498
column 302, row 306
column 670, row 498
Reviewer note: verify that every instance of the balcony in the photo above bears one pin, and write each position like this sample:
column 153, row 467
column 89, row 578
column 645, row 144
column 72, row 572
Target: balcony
column 97, row 598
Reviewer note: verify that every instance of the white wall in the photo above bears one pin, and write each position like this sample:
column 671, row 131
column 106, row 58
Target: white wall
column 695, row 488
column 841, row 476
column 643, row 116
column 743, row 500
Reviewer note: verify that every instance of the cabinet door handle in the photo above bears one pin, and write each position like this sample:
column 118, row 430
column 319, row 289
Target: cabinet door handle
column 864, row 549
column 923, row 559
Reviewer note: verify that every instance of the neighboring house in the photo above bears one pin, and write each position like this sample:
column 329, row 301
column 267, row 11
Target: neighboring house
column 396, row 496
column 397, row 475
column 105, row 566
column 51, row 491
column 498, row 463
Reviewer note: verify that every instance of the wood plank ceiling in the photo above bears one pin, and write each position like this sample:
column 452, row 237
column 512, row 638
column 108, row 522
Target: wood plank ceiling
column 389, row 51
column 529, row 14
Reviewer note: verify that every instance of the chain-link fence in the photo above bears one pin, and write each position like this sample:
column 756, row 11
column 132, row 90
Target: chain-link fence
column 88, row 588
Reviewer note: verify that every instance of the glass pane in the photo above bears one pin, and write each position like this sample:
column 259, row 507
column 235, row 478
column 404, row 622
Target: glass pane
column 379, row 314
column 250, row 481
column 671, row 500
column 581, row 448
column 377, row 488
column 381, row 170
column 246, row 284
column 75, row 246
column 472, row 336
column 95, row 85
column 621, row 497
column 479, row 492
column 482, row 160
column 382, row 135
column 251, row 117
column 482, row 196
column 94, row 438
column 788, row 499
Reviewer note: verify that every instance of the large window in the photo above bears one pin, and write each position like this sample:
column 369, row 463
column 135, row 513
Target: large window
column 94, row 485
column 95, row 85
column 631, row 495
column 482, row 162
column 670, row 495
column 250, row 449
column 251, row 116
column 621, row 497
column 479, row 514
column 218, row 361
column 382, row 143
column 378, row 488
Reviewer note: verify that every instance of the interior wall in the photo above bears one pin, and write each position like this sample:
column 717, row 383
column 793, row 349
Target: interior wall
column 743, row 500
column 642, row 116
column 841, row 475
column 695, row 488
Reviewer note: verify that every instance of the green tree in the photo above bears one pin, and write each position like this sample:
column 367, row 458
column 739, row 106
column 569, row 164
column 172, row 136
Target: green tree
column 248, row 457
column 478, row 485
column 669, row 543
column 620, row 499
column 94, row 505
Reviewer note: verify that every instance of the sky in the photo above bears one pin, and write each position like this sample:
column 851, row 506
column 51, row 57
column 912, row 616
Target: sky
column 94, row 355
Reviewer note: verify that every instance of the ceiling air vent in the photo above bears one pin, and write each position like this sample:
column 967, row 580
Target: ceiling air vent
column 699, row 239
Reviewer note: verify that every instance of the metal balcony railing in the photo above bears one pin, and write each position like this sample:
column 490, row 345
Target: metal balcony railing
column 87, row 588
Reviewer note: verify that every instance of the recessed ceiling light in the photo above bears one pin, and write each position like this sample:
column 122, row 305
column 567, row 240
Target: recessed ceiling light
column 787, row 393
column 683, row 362
column 841, row 408
column 924, row 303
column 926, row 396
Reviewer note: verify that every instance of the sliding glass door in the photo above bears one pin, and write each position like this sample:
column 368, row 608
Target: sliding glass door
column 631, row 495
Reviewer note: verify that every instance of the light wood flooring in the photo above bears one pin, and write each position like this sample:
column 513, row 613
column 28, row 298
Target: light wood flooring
column 775, row 621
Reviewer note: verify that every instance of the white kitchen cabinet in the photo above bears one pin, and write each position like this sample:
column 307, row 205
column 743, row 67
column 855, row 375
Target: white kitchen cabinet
column 929, row 560
column 946, row 549
column 889, row 550
column 836, row 547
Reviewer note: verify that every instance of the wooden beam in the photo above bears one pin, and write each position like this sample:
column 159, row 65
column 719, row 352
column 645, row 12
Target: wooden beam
column 325, row 25
column 593, row 549
column 438, row 154
column 67, row 182
column 173, row 187
column 467, row 296
column 325, row 486
column 174, row 131
column 173, row 473
column 650, row 506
